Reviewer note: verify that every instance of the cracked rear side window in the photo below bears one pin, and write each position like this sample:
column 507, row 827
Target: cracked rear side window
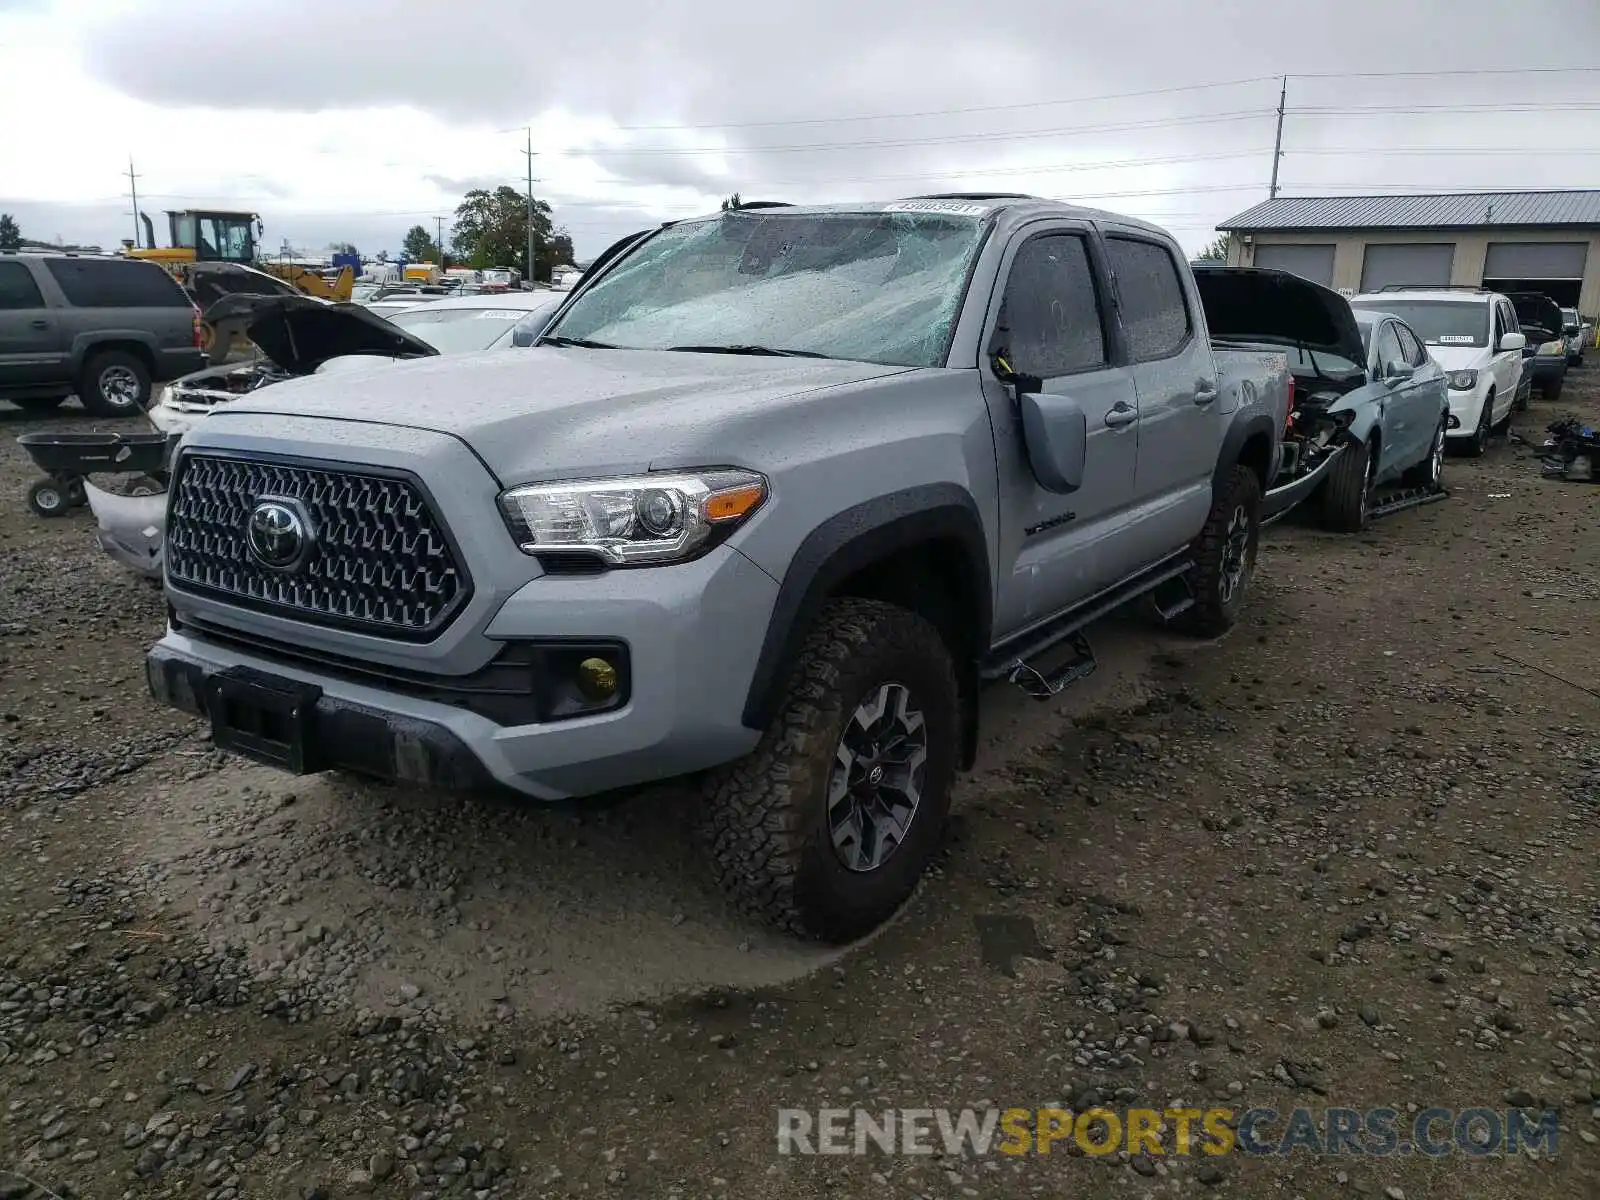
column 871, row 287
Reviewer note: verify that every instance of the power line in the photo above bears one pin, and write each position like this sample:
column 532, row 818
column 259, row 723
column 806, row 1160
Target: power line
column 1248, row 114
column 954, row 112
column 1042, row 169
column 1104, row 97
column 1511, row 106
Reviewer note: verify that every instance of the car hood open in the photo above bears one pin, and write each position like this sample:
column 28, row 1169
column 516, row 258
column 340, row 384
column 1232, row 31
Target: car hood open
column 1538, row 311
column 1261, row 305
column 300, row 333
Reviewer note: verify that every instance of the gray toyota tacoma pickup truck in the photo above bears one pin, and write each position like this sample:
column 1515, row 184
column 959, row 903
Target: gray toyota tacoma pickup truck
column 775, row 493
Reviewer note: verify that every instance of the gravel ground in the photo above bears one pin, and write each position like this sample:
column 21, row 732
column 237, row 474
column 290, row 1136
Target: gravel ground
column 1346, row 856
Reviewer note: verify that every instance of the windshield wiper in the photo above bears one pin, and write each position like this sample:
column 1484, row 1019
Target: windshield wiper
column 769, row 351
column 572, row 341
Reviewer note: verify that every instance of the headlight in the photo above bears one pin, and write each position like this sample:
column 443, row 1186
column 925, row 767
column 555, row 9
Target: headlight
column 1462, row 381
column 1555, row 347
column 636, row 521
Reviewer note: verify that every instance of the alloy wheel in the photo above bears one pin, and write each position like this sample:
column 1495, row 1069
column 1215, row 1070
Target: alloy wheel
column 120, row 387
column 1235, row 554
column 875, row 786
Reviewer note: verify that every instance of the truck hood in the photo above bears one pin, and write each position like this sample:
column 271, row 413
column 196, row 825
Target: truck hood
column 1262, row 306
column 565, row 410
column 300, row 333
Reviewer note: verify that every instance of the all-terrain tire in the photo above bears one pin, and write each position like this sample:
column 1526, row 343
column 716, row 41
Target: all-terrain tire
column 764, row 818
column 1225, row 556
column 1429, row 473
column 115, row 383
column 1348, row 492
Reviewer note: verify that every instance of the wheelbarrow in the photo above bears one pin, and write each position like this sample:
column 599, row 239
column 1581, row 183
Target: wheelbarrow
column 66, row 458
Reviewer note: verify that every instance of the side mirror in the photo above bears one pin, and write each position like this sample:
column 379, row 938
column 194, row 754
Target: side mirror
column 522, row 337
column 1055, row 432
column 1398, row 372
column 1513, row 341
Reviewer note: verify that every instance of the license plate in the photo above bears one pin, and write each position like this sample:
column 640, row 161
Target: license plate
column 264, row 718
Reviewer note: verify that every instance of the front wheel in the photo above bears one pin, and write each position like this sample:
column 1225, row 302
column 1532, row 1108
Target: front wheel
column 47, row 498
column 826, row 827
column 1347, row 496
column 1478, row 443
column 1225, row 555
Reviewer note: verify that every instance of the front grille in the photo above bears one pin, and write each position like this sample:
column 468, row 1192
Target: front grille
column 379, row 559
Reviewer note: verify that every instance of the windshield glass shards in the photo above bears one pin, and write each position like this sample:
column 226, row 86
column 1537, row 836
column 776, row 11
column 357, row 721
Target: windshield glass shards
column 880, row 287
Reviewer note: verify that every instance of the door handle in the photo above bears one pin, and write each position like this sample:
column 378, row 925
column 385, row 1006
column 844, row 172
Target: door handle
column 40, row 323
column 1122, row 413
column 1205, row 392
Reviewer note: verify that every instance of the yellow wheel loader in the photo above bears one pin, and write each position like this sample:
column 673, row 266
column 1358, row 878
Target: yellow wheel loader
column 197, row 236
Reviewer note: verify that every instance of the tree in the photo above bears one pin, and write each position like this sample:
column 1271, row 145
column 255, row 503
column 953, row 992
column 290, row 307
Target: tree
column 1217, row 251
column 491, row 230
column 730, row 203
column 418, row 246
column 10, row 235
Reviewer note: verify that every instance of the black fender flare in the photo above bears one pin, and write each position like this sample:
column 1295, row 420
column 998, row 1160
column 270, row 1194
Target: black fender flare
column 1244, row 427
column 854, row 539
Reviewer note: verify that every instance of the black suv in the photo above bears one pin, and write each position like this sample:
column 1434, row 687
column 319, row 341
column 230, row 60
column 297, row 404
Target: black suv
column 102, row 327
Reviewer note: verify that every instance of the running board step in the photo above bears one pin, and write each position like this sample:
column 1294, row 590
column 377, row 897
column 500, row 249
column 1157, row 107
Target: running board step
column 1174, row 597
column 1402, row 500
column 1032, row 643
column 1042, row 686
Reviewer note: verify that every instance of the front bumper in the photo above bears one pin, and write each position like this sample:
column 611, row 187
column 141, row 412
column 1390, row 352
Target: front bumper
column 130, row 528
column 1546, row 368
column 1466, row 408
column 692, row 633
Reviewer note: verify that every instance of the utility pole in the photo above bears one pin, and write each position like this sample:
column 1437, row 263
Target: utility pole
column 1277, row 142
column 438, row 238
column 531, row 248
column 133, row 191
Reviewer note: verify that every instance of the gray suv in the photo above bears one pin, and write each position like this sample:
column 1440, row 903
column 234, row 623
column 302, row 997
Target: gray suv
column 102, row 327
column 775, row 493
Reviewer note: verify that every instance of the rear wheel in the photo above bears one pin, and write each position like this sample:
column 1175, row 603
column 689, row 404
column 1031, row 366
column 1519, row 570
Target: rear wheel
column 115, row 383
column 1347, row 496
column 1225, row 556
column 825, row 828
column 1429, row 473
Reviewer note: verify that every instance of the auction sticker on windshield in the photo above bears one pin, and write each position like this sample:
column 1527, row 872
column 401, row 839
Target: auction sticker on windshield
column 954, row 208
column 500, row 314
column 1445, row 339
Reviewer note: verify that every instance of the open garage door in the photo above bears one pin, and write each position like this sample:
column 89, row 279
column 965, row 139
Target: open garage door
column 1309, row 260
column 1411, row 264
column 1554, row 268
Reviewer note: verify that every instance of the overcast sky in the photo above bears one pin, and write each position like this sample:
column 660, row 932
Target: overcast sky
column 354, row 119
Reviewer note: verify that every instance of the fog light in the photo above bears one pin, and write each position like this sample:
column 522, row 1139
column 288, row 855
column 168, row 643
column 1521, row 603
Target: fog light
column 597, row 679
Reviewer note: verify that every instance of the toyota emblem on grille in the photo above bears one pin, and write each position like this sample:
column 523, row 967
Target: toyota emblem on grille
column 278, row 534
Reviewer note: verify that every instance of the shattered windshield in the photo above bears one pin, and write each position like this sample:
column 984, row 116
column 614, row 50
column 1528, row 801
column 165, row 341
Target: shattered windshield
column 880, row 287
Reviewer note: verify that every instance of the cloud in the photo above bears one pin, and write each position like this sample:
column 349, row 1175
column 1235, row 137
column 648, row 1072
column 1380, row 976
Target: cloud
column 650, row 110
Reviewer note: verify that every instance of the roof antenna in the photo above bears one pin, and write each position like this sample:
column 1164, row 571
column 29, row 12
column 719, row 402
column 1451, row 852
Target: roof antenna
column 1488, row 213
